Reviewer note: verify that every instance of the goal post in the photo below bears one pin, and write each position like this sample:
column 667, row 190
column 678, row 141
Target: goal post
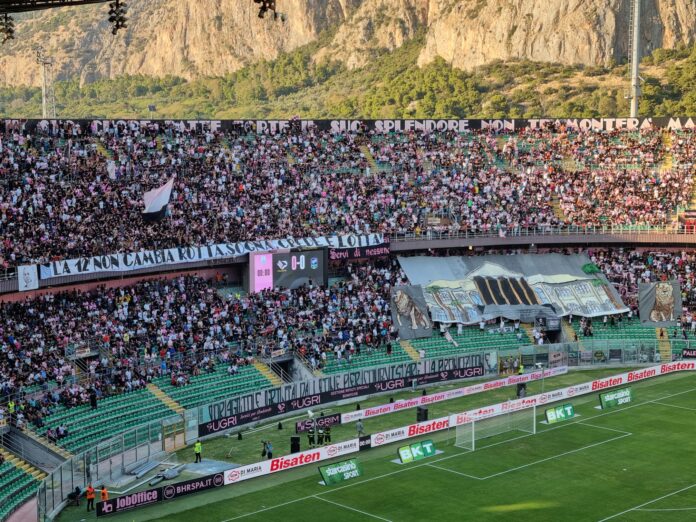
column 468, row 434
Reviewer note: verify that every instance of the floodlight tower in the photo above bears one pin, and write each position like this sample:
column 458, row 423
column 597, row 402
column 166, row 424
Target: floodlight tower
column 634, row 56
column 48, row 97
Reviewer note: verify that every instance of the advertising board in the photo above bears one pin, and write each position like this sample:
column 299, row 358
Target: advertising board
column 615, row 398
column 559, row 413
column 340, row 471
column 425, row 400
column 130, row 501
column 416, row 451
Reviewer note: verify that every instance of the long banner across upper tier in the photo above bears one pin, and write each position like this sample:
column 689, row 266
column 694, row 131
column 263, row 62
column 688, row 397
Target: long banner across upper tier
column 124, row 262
column 422, row 125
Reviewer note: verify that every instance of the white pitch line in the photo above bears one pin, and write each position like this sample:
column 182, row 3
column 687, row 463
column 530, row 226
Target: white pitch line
column 650, row 502
column 267, row 509
column 457, row 455
column 674, row 406
column 352, row 509
column 667, row 509
column 576, row 450
column 604, row 428
column 453, row 471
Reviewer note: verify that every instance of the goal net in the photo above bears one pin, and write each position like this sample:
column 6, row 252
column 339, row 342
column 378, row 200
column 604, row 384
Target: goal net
column 523, row 421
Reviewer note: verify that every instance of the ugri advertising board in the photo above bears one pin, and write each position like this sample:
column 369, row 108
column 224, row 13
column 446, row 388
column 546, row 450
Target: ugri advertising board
column 257, row 406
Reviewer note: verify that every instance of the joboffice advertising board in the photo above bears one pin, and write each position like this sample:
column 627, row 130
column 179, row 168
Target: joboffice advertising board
column 155, row 495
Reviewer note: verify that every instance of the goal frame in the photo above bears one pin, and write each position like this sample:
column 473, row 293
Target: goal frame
column 469, row 442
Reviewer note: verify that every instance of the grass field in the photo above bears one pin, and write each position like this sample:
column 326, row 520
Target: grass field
column 630, row 463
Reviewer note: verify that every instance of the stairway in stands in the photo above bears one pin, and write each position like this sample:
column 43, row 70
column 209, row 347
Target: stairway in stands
column 410, row 350
column 268, row 373
column 102, row 150
column 22, row 465
column 557, row 210
column 666, row 166
column 569, row 332
column 165, row 399
column 664, row 345
column 45, row 442
column 529, row 331
column 369, row 157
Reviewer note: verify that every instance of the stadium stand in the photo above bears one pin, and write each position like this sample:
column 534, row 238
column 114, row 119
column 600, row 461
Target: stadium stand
column 84, row 191
column 215, row 385
column 471, row 340
column 392, row 354
column 18, row 482
column 84, row 426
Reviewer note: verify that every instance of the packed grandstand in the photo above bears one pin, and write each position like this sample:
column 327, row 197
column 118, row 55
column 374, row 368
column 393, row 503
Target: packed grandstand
column 152, row 345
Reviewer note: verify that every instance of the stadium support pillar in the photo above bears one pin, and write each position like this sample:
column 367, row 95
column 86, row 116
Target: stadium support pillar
column 635, row 58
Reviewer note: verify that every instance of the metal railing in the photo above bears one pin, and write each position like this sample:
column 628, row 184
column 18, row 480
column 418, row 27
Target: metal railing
column 572, row 230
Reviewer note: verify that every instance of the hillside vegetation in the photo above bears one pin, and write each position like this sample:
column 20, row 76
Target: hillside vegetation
column 391, row 86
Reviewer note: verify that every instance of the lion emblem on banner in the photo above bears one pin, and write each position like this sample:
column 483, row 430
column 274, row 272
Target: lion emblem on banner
column 406, row 307
column 663, row 310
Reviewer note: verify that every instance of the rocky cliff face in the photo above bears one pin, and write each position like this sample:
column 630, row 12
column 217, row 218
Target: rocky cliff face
column 187, row 38
column 192, row 38
column 469, row 33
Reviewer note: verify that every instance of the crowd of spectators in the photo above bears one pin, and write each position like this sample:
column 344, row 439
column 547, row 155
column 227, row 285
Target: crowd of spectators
column 79, row 193
column 182, row 327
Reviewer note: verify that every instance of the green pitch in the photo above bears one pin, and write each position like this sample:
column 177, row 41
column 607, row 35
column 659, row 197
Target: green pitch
column 631, row 463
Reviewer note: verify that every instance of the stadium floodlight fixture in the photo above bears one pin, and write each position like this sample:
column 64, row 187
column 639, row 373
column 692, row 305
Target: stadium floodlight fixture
column 265, row 6
column 117, row 16
column 7, row 28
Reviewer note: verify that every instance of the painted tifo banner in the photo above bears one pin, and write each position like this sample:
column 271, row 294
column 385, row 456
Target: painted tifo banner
column 424, row 400
column 28, row 277
column 125, row 262
column 524, row 287
column 410, row 312
column 659, row 304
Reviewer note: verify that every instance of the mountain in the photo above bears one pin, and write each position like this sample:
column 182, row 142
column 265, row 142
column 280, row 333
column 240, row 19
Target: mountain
column 194, row 39
column 392, row 86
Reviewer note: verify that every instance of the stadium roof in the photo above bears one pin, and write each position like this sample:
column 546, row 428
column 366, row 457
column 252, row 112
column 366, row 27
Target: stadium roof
column 20, row 6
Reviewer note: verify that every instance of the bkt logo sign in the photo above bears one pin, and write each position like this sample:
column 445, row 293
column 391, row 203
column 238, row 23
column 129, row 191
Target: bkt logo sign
column 417, row 451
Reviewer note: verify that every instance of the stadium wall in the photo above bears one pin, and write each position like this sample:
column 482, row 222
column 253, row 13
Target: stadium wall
column 233, row 273
column 572, row 236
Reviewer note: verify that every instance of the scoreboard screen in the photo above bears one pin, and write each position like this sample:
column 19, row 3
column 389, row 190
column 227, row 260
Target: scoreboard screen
column 294, row 269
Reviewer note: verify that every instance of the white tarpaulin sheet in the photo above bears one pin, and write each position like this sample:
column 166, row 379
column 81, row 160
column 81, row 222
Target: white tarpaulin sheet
column 469, row 289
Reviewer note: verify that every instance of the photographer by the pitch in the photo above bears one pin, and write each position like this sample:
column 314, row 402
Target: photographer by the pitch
column 267, row 449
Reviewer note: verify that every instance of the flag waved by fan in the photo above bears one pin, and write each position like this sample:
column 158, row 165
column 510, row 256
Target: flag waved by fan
column 156, row 201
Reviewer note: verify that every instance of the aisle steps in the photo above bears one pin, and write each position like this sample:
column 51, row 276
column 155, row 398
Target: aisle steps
column 164, row 398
